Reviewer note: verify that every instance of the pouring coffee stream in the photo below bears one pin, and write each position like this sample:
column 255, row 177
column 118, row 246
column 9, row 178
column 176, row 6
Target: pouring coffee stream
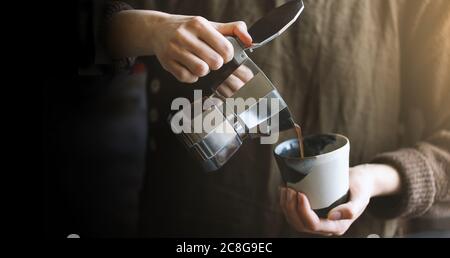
column 299, row 133
column 298, row 130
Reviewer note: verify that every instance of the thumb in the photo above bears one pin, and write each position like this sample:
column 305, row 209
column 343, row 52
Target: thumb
column 238, row 29
column 350, row 210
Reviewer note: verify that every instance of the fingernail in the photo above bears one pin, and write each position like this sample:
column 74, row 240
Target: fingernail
column 299, row 195
column 335, row 215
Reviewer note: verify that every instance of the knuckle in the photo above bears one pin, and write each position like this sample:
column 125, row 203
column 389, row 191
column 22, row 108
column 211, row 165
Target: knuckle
column 197, row 22
column 176, row 73
column 228, row 51
column 216, row 62
column 179, row 74
column 201, row 69
column 179, row 34
column 241, row 24
column 198, row 19
column 172, row 48
column 187, row 77
column 165, row 66
column 184, row 76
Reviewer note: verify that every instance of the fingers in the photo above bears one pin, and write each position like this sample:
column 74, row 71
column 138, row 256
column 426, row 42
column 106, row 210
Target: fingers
column 201, row 50
column 195, row 65
column 342, row 212
column 210, row 35
column 195, row 46
column 336, row 228
column 307, row 215
column 291, row 210
column 339, row 219
column 315, row 224
column 289, row 207
column 352, row 209
column 179, row 71
column 299, row 214
column 238, row 29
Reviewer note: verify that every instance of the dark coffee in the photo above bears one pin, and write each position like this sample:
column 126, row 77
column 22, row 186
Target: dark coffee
column 298, row 130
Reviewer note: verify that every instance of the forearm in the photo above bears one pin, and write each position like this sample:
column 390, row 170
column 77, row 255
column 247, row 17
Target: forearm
column 130, row 33
column 424, row 176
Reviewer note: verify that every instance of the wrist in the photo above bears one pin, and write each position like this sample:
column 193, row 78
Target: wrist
column 385, row 180
column 153, row 20
column 378, row 179
column 363, row 174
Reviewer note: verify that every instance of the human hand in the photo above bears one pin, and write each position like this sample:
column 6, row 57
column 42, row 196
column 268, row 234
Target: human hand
column 189, row 47
column 366, row 181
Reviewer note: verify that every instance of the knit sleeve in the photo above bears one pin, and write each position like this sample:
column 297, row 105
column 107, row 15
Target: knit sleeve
column 418, row 187
column 424, row 168
column 106, row 12
column 114, row 7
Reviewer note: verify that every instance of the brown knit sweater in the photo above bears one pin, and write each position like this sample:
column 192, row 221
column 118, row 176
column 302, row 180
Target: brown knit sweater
column 376, row 71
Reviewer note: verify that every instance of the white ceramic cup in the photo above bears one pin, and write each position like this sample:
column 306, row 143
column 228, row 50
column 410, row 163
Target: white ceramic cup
column 323, row 175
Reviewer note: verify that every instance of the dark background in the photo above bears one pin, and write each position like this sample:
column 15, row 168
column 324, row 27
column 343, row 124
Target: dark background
column 92, row 130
